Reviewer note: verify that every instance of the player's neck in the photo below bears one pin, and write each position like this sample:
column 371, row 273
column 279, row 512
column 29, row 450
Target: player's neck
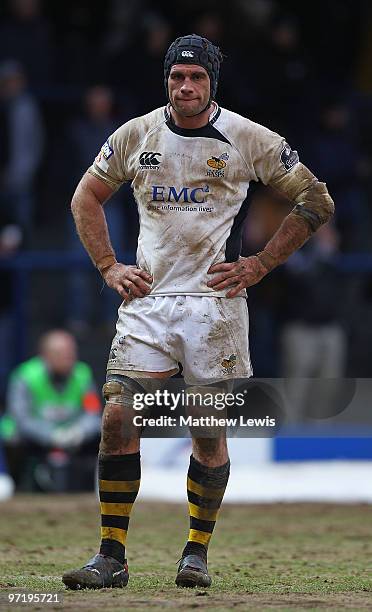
column 192, row 123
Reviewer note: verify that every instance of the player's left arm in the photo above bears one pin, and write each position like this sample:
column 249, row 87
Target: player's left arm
column 313, row 207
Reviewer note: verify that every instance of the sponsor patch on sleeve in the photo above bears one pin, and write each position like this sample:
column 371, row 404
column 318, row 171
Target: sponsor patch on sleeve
column 107, row 151
column 288, row 157
column 102, row 157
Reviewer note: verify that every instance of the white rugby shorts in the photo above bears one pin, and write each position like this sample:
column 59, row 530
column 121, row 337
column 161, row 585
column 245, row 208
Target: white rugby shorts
column 207, row 335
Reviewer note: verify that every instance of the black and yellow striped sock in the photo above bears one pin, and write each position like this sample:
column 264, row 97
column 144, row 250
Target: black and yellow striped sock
column 119, row 481
column 205, row 489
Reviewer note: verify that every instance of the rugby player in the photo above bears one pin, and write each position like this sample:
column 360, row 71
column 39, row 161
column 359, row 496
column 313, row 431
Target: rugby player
column 190, row 164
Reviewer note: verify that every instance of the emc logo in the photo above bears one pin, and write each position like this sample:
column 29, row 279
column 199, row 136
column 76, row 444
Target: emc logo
column 161, row 193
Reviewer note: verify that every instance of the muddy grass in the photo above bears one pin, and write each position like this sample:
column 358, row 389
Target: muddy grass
column 262, row 557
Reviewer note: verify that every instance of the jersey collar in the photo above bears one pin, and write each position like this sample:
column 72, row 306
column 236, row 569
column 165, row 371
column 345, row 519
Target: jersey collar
column 207, row 131
column 212, row 117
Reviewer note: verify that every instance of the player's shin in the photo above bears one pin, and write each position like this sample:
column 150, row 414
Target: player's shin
column 119, row 481
column 205, row 490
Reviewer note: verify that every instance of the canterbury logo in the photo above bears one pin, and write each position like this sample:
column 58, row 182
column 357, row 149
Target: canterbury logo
column 149, row 158
column 187, row 53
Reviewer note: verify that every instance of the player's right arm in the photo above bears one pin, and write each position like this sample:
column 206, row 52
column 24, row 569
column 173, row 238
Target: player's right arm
column 87, row 209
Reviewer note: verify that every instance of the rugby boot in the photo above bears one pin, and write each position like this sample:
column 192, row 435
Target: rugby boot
column 100, row 572
column 193, row 572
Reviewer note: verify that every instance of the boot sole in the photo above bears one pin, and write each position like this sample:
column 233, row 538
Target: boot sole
column 191, row 578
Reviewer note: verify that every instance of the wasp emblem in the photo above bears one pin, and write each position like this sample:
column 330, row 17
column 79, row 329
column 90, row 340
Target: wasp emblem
column 217, row 163
column 229, row 363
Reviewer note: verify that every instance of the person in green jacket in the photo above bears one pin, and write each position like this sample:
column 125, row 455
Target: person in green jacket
column 53, row 402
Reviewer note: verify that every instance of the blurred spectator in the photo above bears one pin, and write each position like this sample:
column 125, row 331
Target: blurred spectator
column 333, row 153
column 78, row 26
column 314, row 340
column 22, row 139
column 256, row 13
column 55, row 408
column 10, row 243
column 25, row 36
column 122, row 26
column 88, row 132
column 282, row 72
column 267, row 211
column 143, row 73
column 210, row 25
column 86, row 136
column 157, row 34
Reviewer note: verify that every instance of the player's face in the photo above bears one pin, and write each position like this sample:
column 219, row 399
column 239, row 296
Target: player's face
column 189, row 89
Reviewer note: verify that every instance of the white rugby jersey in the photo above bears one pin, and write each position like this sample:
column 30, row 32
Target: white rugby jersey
column 190, row 186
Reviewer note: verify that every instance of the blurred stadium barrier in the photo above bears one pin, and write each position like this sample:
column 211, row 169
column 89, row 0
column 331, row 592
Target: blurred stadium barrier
column 255, row 475
column 25, row 263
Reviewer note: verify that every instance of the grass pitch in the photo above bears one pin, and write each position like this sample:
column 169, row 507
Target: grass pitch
column 262, row 557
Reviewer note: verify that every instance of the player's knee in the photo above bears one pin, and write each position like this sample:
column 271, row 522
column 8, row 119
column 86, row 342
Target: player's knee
column 112, row 428
column 121, row 388
column 112, row 418
column 209, row 446
column 210, row 451
column 119, row 392
column 206, row 404
column 118, row 430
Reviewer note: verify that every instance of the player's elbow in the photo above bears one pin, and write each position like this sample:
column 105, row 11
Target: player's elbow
column 316, row 205
column 327, row 204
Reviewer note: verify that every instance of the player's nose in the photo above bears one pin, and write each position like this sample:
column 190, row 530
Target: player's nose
column 187, row 85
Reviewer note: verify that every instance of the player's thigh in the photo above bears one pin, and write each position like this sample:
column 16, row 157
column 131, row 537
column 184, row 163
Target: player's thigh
column 140, row 341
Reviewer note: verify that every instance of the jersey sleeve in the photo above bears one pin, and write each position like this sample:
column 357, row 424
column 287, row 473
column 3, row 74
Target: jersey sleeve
column 277, row 165
column 111, row 163
column 272, row 156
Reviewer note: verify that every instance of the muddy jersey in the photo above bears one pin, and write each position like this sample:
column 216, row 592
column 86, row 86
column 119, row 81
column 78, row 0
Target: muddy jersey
column 190, row 186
